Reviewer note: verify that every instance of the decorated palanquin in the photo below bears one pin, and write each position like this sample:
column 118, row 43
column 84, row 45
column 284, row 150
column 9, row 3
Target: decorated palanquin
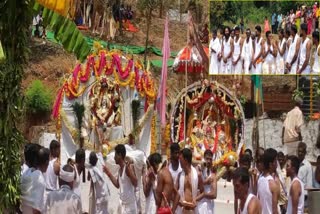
column 213, row 120
column 106, row 85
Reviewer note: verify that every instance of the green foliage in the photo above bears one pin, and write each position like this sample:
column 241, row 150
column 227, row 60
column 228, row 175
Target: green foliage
column 297, row 93
column 316, row 86
column 38, row 98
column 79, row 109
column 143, row 5
column 15, row 19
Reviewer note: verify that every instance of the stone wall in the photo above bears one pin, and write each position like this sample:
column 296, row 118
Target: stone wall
column 270, row 131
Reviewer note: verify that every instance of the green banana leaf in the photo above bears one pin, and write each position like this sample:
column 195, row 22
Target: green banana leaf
column 65, row 32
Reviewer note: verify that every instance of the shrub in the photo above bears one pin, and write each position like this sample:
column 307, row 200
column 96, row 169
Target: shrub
column 38, row 98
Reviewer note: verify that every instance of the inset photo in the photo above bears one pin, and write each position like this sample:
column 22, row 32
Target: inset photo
column 264, row 37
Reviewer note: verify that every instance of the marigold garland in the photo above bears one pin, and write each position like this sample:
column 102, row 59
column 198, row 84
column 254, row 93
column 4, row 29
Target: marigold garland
column 224, row 160
column 129, row 81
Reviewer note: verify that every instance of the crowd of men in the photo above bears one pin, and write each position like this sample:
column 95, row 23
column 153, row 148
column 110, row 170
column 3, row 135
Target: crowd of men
column 274, row 183
column 291, row 54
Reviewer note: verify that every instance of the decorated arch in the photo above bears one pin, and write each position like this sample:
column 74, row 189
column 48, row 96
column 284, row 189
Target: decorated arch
column 105, row 101
column 206, row 115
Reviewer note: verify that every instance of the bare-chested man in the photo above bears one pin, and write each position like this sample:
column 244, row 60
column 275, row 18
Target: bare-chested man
column 174, row 165
column 189, row 184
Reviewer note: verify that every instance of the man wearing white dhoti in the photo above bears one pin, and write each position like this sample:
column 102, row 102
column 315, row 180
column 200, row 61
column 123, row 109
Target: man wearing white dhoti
column 206, row 199
column 189, row 185
column 269, row 55
column 226, row 52
column 305, row 51
column 215, row 51
column 79, row 168
column 293, row 52
column 281, row 46
column 150, row 182
column 33, row 183
column 126, row 181
column 249, row 203
column 315, row 42
column 64, row 200
column 52, row 172
column 247, row 53
column 258, row 51
column 237, row 43
column 99, row 190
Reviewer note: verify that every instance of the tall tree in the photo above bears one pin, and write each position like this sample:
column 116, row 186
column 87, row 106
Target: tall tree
column 15, row 20
column 147, row 6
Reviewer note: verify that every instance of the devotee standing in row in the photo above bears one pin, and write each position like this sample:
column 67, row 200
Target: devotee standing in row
column 64, row 200
column 293, row 53
column 258, row 46
column 226, row 51
column 305, row 52
column 237, row 44
column 247, row 53
column 269, row 55
column 215, row 51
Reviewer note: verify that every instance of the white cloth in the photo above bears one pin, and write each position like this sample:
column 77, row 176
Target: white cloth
column 268, row 66
column 100, row 191
column 245, row 208
column 303, row 56
column 24, row 168
column 226, row 67
column 292, row 125
column 291, row 52
column 127, row 194
column 51, row 177
column 174, row 173
column 206, row 205
column 301, row 198
column 33, row 187
column 280, row 59
column 264, row 194
column 316, row 65
column 258, row 47
column 247, row 54
column 194, row 187
column 237, row 69
column 76, row 183
column 305, row 174
column 151, row 207
column 214, row 62
column 63, row 200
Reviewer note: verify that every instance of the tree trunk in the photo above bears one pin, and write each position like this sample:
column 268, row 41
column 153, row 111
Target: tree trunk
column 149, row 12
column 161, row 9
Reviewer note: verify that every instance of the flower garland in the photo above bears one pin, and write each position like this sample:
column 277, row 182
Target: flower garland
column 228, row 159
column 129, row 81
column 153, row 148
